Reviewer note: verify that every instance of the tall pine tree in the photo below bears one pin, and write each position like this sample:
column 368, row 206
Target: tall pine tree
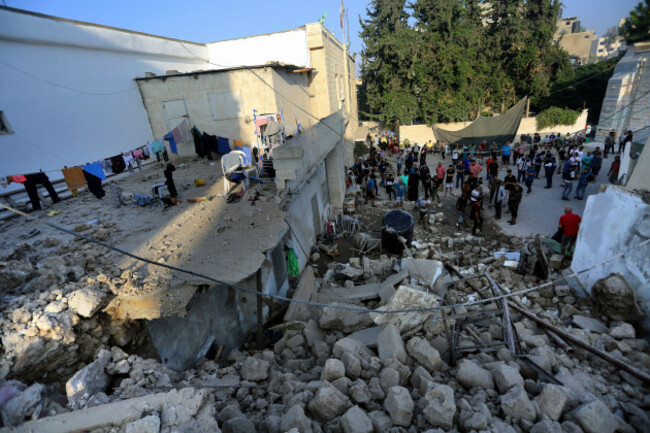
column 387, row 59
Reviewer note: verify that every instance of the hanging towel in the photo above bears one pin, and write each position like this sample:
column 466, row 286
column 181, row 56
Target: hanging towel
column 74, row 177
column 157, row 146
column 19, row 178
column 238, row 143
column 223, row 145
column 117, row 162
column 176, row 134
column 172, row 143
column 95, row 169
column 184, row 128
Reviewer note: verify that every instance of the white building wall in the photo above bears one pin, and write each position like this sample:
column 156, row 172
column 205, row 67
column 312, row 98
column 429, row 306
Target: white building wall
column 288, row 47
column 54, row 126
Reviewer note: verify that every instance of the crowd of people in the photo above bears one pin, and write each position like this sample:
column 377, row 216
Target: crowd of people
column 474, row 172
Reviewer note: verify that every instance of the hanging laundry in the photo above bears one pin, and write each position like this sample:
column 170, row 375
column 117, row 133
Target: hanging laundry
column 238, row 143
column 198, row 146
column 223, row 145
column 95, row 169
column 210, row 143
column 176, row 133
column 184, row 128
column 172, row 143
column 19, row 178
column 107, row 166
column 74, row 178
column 94, row 184
column 31, row 185
column 171, row 187
column 157, row 146
column 117, row 162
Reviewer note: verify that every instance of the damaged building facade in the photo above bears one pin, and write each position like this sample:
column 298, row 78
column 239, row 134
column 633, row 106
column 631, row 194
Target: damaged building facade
column 117, row 89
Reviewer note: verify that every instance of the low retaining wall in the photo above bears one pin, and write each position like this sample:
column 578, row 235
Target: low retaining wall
column 422, row 133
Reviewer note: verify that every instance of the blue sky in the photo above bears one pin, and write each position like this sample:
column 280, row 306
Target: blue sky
column 213, row 20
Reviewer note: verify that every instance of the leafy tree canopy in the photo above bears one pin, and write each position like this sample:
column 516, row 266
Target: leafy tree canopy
column 637, row 27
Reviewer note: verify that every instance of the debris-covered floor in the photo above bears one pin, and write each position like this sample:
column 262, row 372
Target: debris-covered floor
column 69, row 367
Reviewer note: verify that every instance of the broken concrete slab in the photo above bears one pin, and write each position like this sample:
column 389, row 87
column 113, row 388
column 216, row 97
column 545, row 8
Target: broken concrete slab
column 86, row 302
column 390, row 344
column 328, row 403
column 255, row 369
column 590, row 324
column 551, row 401
column 616, row 298
column 14, row 411
column 353, row 346
column 441, row 406
column 110, row 414
column 470, row 375
column 347, row 321
column 355, row 420
column 427, row 271
column 515, row 403
column 595, row 417
column 88, row 381
column 406, row 298
column 427, row 356
column 306, row 288
column 367, row 336
column 622, row 331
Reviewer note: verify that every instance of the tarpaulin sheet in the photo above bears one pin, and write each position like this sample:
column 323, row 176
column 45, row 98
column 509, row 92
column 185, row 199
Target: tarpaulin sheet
column 500, row 128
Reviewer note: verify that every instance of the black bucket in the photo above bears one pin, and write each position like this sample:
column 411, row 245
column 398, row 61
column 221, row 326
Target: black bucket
column 397, row 223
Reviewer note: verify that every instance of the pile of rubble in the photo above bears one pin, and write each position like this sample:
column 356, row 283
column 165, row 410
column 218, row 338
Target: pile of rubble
column 68, row 365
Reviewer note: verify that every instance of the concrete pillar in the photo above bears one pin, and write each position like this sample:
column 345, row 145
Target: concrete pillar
column 335, row 168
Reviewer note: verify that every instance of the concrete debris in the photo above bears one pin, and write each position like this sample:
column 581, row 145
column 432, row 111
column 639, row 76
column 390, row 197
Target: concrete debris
column 390, row 344
column 406, row 298
column 86, row 302
column 440, row 406
column 328, row 403
column 470, row 375
column 424, row 354
column 595, row 417
column 347, row 321
column 355, row 420
column 614, row 296
column 399, row 405
column 327, row 370
column 90, row 380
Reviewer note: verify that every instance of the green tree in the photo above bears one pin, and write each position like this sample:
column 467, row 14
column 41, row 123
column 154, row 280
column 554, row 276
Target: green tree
column 637, row 27
column 386, row 66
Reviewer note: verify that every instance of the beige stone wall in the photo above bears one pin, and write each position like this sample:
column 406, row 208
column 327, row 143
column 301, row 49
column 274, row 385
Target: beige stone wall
column 579, row 44
column 422, row 133
column 234, row 119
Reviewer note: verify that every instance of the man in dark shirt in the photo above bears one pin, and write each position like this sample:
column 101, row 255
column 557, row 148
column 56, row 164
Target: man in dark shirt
column 514, row 199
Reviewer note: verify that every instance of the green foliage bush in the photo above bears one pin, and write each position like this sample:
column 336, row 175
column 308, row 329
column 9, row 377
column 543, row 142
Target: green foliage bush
column 554, row 116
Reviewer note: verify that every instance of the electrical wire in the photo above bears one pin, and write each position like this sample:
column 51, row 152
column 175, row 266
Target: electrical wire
column 319, row 304
column 62, row 86
column 585, row 80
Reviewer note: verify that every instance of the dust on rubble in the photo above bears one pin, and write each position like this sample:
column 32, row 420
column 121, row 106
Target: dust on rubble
column 66, row 362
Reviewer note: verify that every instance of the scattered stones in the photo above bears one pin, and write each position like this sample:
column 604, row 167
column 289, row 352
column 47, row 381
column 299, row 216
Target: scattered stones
column 86, row 302
column 424, row 354
column 333, row 370
column 390, row 344
column 148, row 424
column 255, row 369
column 595, row 417
column 399, row 405
column 328, row 403
column 88, row 381
column 551, row 401
column 590, row 324
column 296, row 418
column 615, row 297
column 405, row 298
column 441, row 406
column 471, row 375
column 506, row 377
column 622, row 331
column 515, row 403
column 355, row 420
column 17, row 407
column 343, row 320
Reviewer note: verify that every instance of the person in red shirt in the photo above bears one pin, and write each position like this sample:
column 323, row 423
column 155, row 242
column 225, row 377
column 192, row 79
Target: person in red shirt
column 570, row 225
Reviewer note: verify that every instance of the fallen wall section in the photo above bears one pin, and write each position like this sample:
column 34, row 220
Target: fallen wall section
column 615, row 221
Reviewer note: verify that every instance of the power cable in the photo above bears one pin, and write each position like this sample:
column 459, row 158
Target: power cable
column 311, row 303
column 582, row 81
column 62, row 86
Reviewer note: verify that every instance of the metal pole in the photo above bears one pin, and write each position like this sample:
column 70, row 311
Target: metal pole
column 260, row 318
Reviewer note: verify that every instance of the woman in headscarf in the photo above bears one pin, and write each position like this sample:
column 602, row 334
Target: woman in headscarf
column 413, row 183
